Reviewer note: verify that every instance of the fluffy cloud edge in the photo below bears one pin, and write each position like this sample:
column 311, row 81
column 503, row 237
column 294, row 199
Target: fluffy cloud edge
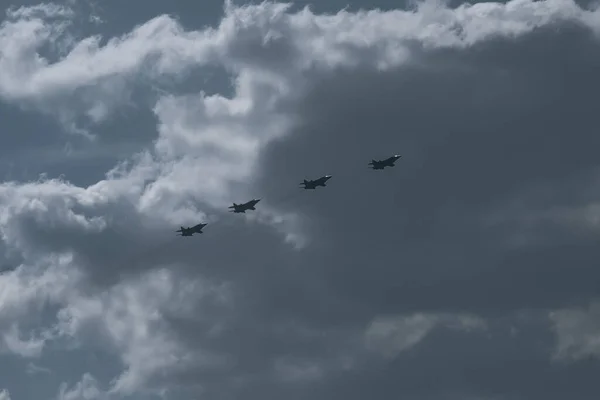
column 161, row 48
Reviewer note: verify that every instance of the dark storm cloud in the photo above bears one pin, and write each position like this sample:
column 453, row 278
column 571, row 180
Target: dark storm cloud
column 476, row 130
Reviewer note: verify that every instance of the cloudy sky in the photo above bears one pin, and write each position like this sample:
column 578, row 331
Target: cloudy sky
column 469, row 271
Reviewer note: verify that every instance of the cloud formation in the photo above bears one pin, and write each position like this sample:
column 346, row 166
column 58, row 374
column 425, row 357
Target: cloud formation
column 577, row 332
column 423, row 271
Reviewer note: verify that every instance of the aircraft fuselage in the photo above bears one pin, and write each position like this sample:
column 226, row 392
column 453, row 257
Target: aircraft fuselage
column 242, row 208
column 317, row 182
column 388, row 162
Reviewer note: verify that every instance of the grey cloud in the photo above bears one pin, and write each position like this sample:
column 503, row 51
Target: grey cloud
column 473, row 137
column 33, row 369
column 479, row 129
column 86, row 389
column 578, row 332
column 391, row 336
column 26, row 347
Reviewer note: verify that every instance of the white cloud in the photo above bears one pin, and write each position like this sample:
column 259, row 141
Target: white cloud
column 523, row 211
column 86, row 389
column 34, row 369
column 577, row 332
column 26, row 288
column 89, row 79
column 390, row 336
column 269, row 50
column 130, row 318
column 24, row 292
column 264, row 39
column 4, row 394
column 26, row 347
column 39, row 11
column 204, row 157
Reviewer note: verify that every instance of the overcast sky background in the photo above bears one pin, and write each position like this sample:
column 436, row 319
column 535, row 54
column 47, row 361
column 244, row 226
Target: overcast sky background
column 469, row 271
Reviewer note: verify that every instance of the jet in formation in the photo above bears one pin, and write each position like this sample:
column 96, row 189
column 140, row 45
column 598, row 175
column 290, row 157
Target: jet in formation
column 242, row 208
column 381, row 164
column 191, row 230
column 317, row 182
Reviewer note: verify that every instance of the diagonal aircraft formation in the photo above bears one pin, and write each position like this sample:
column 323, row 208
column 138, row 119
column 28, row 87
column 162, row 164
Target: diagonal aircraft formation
column 308, row 185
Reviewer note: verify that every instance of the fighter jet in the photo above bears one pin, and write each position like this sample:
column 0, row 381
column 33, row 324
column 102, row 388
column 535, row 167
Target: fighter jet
column 388, row 162
column 317, row 182
column 242, row 208
column 191, row 230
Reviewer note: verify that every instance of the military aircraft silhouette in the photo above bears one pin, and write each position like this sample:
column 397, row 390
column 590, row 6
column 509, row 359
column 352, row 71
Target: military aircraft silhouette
column 242, row 208
column 317, row 182
column 191, row 230
column 388, row 162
